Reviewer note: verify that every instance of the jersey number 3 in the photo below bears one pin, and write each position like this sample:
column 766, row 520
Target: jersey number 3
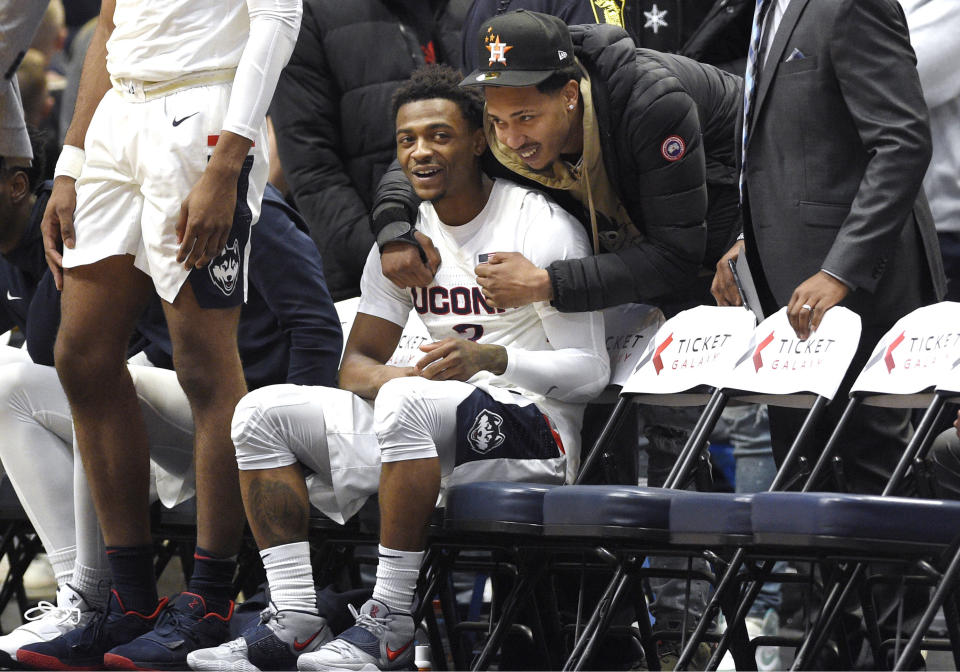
column 472, row 332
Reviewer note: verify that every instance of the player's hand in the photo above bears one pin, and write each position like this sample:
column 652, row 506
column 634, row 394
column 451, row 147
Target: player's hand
column 509, row 280
column 460, row 359
column 402, row 265
column 206, row 217
column 388, row 372
column 57, row 225
column 814, row 297
column 724, row 287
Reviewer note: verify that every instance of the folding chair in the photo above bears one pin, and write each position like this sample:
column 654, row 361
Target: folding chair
column 908, row 362
column 507, row 517
column 777, row 369
column 949, row 388
column 888, row 379
column 681, row 367
column 18, row 543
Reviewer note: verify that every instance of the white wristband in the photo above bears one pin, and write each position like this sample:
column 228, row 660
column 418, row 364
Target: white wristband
column 70, row 162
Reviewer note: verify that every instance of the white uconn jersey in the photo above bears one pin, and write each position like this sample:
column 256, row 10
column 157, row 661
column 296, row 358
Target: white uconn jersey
column 515, row 219
column 161, row 40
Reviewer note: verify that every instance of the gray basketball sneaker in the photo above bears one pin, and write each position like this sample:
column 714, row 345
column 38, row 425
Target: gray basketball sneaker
column 272, row 643
column 381, row 639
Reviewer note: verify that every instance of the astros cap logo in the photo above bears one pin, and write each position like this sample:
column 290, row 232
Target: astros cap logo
column 498, row 50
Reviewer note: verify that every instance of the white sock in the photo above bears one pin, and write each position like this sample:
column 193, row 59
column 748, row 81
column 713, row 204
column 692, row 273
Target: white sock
column 63, row 561
column 397, row 574
column 290, row 576
column 92, row 583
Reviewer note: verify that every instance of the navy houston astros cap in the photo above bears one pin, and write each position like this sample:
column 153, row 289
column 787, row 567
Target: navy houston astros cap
column 520, row 49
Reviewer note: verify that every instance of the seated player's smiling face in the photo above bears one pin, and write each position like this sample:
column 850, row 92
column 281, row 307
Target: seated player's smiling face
column 437, row 148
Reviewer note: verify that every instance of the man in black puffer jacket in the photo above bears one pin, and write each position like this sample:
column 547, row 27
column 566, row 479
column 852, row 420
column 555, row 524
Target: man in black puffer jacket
column 651, row 134
column 640, row 145
column 331, row 113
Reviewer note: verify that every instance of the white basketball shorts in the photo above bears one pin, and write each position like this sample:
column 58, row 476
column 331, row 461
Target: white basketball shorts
column 144, row 153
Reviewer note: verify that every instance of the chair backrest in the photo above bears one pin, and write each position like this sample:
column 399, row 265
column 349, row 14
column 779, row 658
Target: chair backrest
column 916, row 356
column 414, row 335
column 408, row 349
column 629, row 328
column 690, row 353
column 778, row 368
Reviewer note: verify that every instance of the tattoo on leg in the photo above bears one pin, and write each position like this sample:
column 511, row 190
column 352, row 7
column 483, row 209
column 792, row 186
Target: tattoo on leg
column 277, row 512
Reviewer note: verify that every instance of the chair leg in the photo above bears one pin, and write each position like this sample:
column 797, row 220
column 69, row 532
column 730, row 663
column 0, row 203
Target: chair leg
column 736, row 635
column 615, row 583
column 642, row 610
column 829, row 610
column 951, row 613
column 512, row 602
column 448, row 605
column 727, row 583
column 622, row 587
column 870, row 619
column 944, row 588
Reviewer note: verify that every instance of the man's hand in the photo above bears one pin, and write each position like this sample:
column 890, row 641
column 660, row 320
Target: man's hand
column 402, row 265
column 509, row 280
column 724, row 287
column 57, row 225
column 206, row 217
column 814, row 297
column 459, row 359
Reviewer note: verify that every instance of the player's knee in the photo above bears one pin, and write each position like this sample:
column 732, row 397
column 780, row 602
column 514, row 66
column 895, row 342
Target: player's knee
column 404, row 421
column 259, row 432
column 87, row 364
column 15, row 384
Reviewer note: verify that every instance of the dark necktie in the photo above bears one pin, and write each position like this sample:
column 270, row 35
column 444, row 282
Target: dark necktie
column 754, row 57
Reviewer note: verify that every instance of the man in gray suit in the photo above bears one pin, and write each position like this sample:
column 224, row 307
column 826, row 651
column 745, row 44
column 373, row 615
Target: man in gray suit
column 837, row 142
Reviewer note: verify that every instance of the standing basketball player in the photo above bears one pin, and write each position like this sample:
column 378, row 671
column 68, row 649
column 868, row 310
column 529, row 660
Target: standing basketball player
column 159, row 182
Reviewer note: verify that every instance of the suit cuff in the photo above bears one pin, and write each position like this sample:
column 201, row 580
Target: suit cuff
column 849, row 284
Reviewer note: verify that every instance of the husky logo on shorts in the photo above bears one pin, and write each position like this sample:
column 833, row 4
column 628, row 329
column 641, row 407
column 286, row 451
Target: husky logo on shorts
column 485, row 434
column 225, row 269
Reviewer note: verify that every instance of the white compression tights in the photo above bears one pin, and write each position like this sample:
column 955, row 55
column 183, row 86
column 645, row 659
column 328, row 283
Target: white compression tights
column 37, row 452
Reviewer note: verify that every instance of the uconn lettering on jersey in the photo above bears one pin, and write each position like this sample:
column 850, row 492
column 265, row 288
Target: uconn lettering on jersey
column 458, row 300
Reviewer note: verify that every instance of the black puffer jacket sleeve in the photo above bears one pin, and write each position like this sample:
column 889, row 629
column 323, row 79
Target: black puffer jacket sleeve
column 306, row 115
column 395, row 201
column 641, row 107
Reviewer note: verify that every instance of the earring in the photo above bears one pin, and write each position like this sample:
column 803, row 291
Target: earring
column 570, row 107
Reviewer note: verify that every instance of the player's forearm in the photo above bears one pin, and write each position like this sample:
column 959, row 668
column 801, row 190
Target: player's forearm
column 228, row 155
column 365, row 376
column 94, row 80
column 274, row 25
column 570, row 374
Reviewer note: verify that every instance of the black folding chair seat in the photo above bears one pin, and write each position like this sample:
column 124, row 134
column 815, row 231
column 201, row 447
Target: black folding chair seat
column 865, row 524
column 496, row 506
column 711, row 519
column 610, row 511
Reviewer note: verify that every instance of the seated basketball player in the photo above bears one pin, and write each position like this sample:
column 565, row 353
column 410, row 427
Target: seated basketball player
column 498, row 394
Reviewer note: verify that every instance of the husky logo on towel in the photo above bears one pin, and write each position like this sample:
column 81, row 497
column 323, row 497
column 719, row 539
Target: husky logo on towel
column 225, row 269
column 485, row 434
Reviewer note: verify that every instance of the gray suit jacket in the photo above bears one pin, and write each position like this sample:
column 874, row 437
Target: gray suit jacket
column 838, row 146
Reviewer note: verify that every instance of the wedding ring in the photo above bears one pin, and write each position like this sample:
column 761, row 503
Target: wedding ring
column 806, row 306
